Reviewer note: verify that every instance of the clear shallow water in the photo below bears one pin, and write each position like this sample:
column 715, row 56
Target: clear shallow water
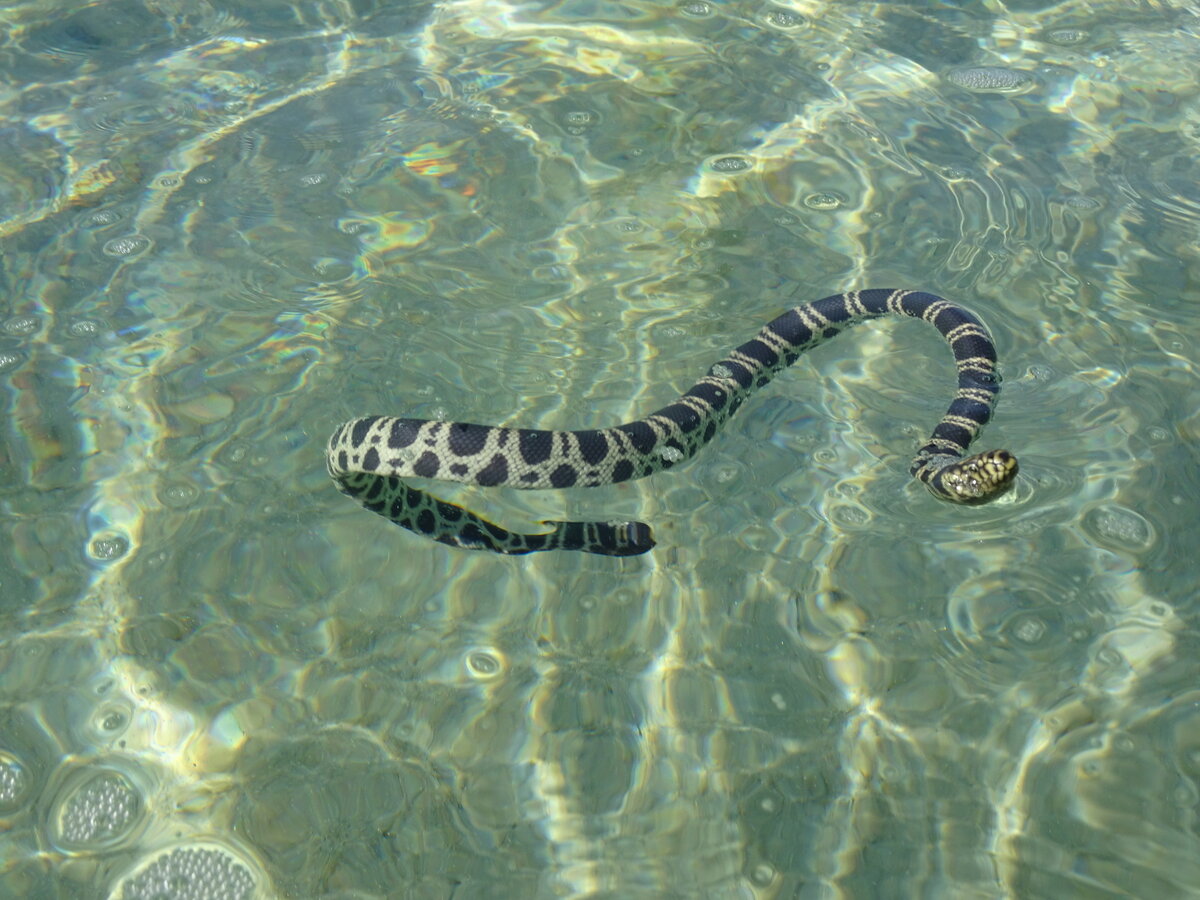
column 226, row 230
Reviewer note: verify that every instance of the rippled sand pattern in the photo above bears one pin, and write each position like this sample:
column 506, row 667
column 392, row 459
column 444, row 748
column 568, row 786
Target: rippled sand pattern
column 224, row 231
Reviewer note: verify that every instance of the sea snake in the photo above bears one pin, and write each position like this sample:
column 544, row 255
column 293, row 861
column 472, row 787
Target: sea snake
column 368, row 458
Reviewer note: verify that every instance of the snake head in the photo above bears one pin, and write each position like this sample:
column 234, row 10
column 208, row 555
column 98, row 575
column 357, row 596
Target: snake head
column 976, row 479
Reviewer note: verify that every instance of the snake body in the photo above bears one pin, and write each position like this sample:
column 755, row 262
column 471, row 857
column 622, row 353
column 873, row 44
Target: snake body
column 370, row 457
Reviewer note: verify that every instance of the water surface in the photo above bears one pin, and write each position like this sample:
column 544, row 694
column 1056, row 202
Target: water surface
column 224, row 230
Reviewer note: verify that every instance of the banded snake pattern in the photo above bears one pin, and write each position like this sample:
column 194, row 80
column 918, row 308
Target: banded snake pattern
column 369, row 458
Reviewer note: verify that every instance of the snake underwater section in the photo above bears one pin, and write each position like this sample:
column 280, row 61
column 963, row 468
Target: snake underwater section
column 369, row 458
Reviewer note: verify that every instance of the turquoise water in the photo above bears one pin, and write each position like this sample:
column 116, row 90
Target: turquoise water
column 225, row 230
